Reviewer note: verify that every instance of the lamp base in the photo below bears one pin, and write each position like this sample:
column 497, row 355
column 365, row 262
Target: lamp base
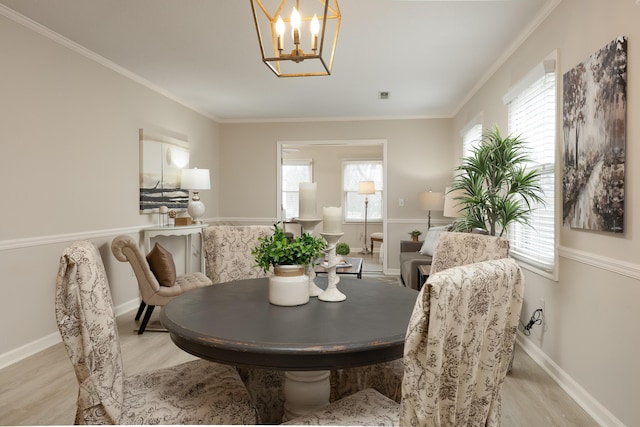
column 195, row 210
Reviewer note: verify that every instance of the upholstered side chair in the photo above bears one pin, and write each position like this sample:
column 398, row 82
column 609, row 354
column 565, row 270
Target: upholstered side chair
column 197, row 392
column 152, row 293
column 457, row 352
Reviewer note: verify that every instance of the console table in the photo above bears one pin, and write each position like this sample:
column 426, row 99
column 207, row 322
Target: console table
column 177, row 230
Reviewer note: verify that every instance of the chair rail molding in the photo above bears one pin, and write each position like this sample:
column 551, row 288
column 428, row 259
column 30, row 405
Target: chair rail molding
column 29, row 242
column 612, row 265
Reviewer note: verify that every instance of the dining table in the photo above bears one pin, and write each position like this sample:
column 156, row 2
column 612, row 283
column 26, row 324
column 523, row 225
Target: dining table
column 234, row 323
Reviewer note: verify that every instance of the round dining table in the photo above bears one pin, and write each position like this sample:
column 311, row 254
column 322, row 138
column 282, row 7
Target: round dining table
column 234, row 323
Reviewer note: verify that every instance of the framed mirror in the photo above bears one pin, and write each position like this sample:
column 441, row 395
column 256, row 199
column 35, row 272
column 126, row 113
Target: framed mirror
column 161, row 160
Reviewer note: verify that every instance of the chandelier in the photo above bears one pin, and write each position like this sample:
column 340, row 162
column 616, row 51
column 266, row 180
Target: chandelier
column 292, row 36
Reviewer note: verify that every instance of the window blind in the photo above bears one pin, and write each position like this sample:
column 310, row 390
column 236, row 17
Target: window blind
column 471, row 137
column 532, row 115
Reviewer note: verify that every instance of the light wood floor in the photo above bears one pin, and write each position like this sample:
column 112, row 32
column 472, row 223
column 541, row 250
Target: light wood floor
column 42, row 389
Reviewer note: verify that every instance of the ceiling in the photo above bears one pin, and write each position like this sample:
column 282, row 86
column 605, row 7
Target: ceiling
column 430, row 55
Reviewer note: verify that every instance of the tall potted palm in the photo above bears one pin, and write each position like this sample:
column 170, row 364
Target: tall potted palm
column 497, row 186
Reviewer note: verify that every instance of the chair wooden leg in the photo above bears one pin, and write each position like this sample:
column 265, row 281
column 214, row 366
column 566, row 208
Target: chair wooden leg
column 145, row 320
column 140, row 310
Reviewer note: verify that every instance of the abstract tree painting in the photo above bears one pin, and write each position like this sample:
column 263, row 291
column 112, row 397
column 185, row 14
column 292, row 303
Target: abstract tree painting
column 594, row 115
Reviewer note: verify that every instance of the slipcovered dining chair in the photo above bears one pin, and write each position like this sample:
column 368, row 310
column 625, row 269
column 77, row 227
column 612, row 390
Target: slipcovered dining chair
column 227, row 251
column 152, row 292
column 452, row 249
column 197, row 392
column 457, row 351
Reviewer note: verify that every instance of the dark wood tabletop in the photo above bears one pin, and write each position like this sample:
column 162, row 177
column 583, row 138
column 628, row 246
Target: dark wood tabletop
column 234, row 323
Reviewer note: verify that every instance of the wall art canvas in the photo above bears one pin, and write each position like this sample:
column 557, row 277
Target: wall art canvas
column 594, row 128
column 161, row 162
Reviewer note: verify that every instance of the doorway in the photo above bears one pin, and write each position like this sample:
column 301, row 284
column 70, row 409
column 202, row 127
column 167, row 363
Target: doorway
column 325, row 160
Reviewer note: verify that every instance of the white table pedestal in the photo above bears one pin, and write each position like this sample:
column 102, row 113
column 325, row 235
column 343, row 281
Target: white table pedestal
column 305, row 392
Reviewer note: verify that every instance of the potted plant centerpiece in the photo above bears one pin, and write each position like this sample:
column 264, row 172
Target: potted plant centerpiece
column 288, row 256
column 497, row 185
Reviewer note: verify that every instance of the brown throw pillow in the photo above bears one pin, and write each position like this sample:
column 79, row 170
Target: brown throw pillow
column 161, row 263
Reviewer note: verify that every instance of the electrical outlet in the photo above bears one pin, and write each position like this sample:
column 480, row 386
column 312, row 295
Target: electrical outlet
column 542, row 305
column 400, row 202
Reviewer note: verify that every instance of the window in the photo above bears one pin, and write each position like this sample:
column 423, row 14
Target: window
column 532, row 114
column 471, row 136
column 352, row 173
column 293, row 173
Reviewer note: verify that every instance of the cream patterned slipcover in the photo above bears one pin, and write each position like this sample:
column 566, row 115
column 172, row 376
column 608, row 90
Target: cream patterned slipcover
column 457, row 351
column 227, row 251
column 197, row 392
column 454, row 249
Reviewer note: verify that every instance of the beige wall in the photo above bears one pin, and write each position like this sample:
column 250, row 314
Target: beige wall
column 69, row 168
column 589, row 340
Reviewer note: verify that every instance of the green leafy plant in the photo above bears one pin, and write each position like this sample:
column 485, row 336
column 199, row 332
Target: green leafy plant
column 342, row 249
column 498, row 188
column 415, row 234
column 278, row 249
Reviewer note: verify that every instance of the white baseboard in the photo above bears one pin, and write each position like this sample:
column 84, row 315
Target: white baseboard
column 20, row 353
column 29, row 349
column 583, row 398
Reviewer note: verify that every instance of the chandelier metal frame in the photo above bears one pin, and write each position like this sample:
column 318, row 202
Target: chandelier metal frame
column 273, row 51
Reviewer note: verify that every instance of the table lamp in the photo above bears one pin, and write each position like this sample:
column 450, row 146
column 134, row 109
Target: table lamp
column 430, row 201
column 195, row 180
column 453, row 208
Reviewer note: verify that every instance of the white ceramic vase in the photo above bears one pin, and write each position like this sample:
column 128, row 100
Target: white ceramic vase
column 289, row 286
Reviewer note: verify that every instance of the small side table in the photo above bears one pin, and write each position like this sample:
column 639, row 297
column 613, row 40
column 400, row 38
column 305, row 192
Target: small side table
column 423, row 274
column 180, row 230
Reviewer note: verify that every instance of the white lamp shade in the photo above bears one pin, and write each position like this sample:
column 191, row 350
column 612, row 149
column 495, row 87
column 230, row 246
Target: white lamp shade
column 195, row 179
column 366, row 187
column 452, row 206
column 431, row 201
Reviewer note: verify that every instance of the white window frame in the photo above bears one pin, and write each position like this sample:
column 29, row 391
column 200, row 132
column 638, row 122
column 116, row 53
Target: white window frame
column 293, row 162
column 535, row 245
column 374, row 199
column 471, row 135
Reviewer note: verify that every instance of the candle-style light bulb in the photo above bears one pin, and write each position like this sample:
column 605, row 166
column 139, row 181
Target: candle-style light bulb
column 315, row 30
column 280, row 32
column 295, row 26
